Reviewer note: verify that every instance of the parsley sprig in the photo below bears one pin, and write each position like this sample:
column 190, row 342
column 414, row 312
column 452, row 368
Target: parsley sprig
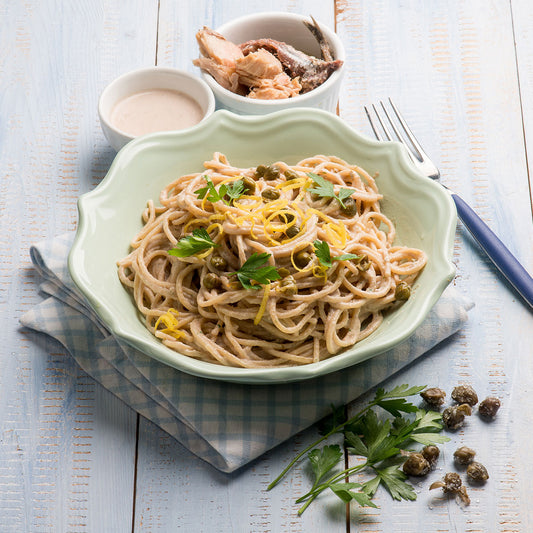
column 324, row 188
column 198, row 242
column 253, row 270
column 225, row 193
column 379, row 440
column 323, row 254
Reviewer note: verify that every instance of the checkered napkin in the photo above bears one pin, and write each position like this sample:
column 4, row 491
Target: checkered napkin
column 226, row 424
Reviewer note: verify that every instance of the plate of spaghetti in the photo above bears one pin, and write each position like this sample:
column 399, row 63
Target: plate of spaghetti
column 263, row 249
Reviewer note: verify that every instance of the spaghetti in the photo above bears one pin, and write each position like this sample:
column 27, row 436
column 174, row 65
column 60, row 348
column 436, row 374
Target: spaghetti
column 326, row 268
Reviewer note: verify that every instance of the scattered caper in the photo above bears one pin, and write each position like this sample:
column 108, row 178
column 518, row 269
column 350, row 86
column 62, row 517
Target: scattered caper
column 260, row 171
column 433, row 396
column 211, row 281
column 292, row 231
column 452, row 484
column 301, row 259
column 416, row 465
column 350, row 207
column 270, row 194
column 464, row 455
column 249, row 185
column 454, row 417
column 431, row 454
column 283, row 272
column 271, row 173
column 218, row 262
column 477, row 472
column 489, row 407
column 287, row 286
column 402, row 292
column 291, row 175
column 464, row 394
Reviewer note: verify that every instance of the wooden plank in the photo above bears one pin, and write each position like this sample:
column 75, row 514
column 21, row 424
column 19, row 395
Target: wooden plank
column 451, row 68
column 174, row 488
column 67, row 446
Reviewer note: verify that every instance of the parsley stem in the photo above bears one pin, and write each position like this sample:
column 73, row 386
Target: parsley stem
column 336, row 429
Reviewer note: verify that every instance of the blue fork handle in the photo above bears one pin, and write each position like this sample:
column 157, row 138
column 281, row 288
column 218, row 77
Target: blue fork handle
column 499, row 254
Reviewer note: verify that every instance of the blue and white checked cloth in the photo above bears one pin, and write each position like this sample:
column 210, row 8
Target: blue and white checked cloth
column 226, row 424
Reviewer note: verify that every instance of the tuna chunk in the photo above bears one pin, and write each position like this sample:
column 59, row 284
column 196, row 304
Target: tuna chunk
column 216, row 47
column 257, row 66
column 281, row 86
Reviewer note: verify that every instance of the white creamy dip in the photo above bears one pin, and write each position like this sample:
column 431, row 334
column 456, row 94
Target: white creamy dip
column 155, row 110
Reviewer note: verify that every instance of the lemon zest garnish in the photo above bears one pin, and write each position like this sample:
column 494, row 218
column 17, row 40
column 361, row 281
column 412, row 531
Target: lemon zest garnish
column 170, row 322
column 263, row 305
column 297, row 249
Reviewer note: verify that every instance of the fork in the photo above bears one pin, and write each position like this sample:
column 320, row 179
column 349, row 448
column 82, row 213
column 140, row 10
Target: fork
column 499, row 254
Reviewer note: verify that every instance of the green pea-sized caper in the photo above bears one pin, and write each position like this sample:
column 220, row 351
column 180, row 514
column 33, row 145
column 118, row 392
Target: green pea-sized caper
column 292, row 231
column 402, row 292
column 301, row 259
column 271, row 173
column 363, row 263
column 270, row 194
column 291, row 175
column 350, row 207
column 287, row 286
column 283, row 272
column 260, row 171
column 218, row 262
column 286, row 218
column 249, row 185
column 211, row 281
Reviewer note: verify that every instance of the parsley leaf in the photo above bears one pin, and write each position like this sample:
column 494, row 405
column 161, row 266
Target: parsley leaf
column 394, row 481
column 253, row 270
column 323, row 254
column 324, row 188
column 233, row 190
column 323, row 460
column 342, row 490
column 199, row 241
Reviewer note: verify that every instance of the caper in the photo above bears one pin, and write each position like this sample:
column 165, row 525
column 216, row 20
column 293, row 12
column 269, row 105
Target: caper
column 489, row 407
column 315, row 197
column 452, row 484
column 402, row 292
column 260, row 171
column 416, row 465
column 211, row 281
column 477, row 472
column 285, row 217
column 363, row 263
column 283, row 272
column 270, row 194
column 301, row 259
column 464, row 394
column 454, row 417
column 218, row 262
column 288, row 286
column 464, row 455
column 249, row 185
column 271, row 173
column 431, row 453
column 350, row 207
column 291, row 175
column 433, row 396
column 292, row 231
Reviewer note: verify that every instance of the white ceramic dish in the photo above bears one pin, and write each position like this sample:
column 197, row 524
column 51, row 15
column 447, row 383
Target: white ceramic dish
column 110, row 216
column 146, row 79
column 289, row 28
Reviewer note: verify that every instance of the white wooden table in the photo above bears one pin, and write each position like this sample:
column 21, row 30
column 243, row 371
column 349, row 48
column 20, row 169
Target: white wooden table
column 73, row 458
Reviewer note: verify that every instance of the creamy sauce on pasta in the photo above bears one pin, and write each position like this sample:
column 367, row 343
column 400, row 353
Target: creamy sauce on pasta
column 155, row 110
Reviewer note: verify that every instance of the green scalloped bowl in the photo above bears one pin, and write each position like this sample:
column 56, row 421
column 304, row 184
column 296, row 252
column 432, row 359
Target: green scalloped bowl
column 110, row 215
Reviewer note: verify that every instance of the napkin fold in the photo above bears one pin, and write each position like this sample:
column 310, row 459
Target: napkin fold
column 225, row 424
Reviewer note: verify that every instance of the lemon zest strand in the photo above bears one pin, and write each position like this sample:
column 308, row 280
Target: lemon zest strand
column 170, row 322
column 263, row 305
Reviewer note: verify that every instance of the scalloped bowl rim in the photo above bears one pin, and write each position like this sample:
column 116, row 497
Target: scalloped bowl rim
column 103, row 305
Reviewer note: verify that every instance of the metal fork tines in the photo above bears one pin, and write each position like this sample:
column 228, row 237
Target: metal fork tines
column 388, row 123
column 405, row 136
